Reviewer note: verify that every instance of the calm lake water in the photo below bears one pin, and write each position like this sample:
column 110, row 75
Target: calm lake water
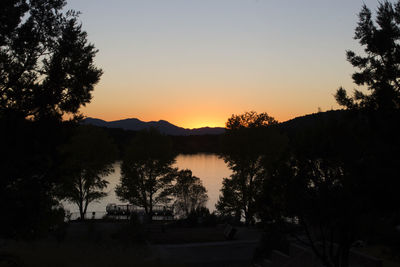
column 208, row 167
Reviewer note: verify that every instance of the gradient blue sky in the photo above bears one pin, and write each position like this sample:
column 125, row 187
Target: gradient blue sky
column 196, row 62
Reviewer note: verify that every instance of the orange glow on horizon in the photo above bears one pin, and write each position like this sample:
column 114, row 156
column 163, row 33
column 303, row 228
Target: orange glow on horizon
column 190, row 119
column 200, row 124
column 191, row 72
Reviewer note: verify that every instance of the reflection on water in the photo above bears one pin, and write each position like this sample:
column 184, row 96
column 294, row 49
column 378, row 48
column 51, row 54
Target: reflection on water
column 208, row 167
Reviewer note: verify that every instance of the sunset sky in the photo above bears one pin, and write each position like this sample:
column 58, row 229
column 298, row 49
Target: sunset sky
column 196, row 62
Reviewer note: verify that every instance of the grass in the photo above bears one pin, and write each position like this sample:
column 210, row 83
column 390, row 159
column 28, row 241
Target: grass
column 181, row 235
column 102, row 244
column 44, row 253
column 388, row 258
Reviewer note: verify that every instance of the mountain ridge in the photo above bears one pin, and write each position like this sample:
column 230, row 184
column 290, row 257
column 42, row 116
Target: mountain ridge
column 165, row 127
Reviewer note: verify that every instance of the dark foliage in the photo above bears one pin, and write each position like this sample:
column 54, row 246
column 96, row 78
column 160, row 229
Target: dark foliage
column 339, row 180
column 46, row 72
column 28, row 162
column 146, row 170
column 191, row 144
column 196, row 144
column 249, row 145
column 87, row 158
column 188, row 193
column 46, row 63
column 378, row 67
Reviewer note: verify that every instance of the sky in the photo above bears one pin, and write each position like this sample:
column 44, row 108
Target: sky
column 195, row 63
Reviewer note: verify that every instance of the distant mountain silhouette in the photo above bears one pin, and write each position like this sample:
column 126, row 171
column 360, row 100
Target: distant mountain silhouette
column 163, row 126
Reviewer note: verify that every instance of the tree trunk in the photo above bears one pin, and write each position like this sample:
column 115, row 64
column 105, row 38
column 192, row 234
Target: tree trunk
column 345, row 257
column 80, row 204
column 81, row 212
column 247, row 217
column 344, row 252
column 151, row 208
column 86, row 205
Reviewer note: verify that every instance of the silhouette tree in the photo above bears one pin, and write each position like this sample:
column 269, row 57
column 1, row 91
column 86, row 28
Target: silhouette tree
column 379, row 66
column 244, row 145
column 46, row 71
column 188, row 192
column 320, row 196
column 87, row 159
column 249, row 119
column 369, row 176
column 28, row 161
column 146, row 171
column 46, row 63
column 339, row 181
column 230, row 202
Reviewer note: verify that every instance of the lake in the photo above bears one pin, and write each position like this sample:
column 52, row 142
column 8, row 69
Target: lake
column 208, row 167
